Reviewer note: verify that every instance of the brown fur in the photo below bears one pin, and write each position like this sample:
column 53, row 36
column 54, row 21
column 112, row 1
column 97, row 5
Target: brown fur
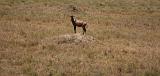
column 78, row 23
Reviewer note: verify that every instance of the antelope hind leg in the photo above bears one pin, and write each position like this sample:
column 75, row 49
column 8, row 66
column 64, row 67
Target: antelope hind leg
column 84, row 30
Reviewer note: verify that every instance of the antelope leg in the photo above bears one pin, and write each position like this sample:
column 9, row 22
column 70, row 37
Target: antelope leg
column 84, row 30
column 74, row 29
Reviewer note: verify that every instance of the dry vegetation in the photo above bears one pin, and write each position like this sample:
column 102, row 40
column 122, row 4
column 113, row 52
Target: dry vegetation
column 123, row 38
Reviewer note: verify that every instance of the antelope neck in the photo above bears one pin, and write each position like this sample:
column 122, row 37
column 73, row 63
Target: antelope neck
column 73, row 20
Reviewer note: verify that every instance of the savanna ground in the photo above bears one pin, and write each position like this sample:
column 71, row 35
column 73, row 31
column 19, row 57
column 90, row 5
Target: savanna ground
column 37, row 39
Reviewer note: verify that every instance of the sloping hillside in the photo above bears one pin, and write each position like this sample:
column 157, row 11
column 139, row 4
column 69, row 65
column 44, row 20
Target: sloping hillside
column 37, row 38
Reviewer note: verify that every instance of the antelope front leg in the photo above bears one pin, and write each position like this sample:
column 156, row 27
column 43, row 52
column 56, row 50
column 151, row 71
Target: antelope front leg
column 74, row 29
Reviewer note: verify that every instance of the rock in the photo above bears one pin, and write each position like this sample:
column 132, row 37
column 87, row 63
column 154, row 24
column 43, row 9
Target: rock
column 70, row 39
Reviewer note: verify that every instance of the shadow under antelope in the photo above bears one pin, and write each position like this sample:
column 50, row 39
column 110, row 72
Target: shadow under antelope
column 78, row 23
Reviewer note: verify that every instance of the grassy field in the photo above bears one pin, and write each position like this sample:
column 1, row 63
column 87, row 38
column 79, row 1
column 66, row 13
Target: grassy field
column 37, row 38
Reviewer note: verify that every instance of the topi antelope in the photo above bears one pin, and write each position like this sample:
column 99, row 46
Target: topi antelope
column 78, row 23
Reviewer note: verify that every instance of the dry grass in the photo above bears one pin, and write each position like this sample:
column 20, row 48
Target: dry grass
column 36, row 38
